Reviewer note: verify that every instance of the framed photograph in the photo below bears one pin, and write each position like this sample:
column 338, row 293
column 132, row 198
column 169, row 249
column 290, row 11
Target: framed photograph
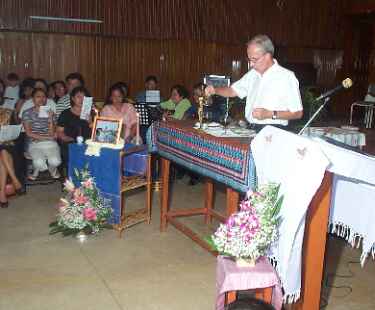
column 106, row 130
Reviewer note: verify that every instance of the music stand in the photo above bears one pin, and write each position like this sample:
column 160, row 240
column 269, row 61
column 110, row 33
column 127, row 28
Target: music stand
column 144, row 118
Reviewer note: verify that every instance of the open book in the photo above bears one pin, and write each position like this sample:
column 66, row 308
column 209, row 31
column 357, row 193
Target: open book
column 9, row 132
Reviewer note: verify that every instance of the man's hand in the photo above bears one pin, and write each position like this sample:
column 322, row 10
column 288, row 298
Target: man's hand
column 260, row 113
column 209, row 90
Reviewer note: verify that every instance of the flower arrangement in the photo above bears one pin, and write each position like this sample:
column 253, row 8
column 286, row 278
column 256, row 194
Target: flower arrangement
column 248, row 233
column 81, row 209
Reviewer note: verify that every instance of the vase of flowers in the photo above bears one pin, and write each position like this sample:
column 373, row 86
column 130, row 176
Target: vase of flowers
column 245, row 262
column 82, row 210
column 248, row 233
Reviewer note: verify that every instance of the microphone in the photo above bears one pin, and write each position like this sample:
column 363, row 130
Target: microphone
column 347, row 83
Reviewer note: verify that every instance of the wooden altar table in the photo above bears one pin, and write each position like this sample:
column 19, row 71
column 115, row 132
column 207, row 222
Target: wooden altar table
column 209, row 156
column 225, row 160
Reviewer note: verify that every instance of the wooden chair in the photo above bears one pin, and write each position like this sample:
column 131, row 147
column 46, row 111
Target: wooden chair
column 133, row 182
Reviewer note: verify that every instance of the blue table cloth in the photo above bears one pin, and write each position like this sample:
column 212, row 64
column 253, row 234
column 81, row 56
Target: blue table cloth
column 226, row 160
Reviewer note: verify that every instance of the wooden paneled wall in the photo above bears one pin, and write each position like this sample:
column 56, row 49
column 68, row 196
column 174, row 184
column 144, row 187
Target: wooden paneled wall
column 304, row 23
column 177, row 40
column 104, row 60
column 359, row 56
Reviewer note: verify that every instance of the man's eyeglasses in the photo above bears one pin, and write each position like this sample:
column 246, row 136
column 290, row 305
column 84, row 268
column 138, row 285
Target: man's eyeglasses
column 254, row 60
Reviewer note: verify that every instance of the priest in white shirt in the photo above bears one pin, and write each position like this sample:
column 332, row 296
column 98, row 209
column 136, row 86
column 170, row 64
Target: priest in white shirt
column 271, row 91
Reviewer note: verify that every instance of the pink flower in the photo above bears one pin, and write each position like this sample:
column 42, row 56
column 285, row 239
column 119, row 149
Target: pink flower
column 88, row 184
column 79, row 198
column 89, row 214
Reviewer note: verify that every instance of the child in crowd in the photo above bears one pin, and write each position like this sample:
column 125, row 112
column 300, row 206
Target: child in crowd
column 249, row 304
column 12, row 90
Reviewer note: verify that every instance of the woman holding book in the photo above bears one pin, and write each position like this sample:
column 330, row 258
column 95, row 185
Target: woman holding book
column 40, row 123
column 70, row 125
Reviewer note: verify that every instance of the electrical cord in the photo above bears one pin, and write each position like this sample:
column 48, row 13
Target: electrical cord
column 348, row 288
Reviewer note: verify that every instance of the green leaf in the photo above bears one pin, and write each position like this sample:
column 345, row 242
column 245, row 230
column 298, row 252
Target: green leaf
column 69, row 232
column 278, row 205
column 210, row 242
column 77, row 174
column 55, row 230
column 53, row 224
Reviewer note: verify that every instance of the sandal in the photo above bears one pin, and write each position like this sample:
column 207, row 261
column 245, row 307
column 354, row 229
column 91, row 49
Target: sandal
column 32, row 178
column 21, row 191
column 4, row 204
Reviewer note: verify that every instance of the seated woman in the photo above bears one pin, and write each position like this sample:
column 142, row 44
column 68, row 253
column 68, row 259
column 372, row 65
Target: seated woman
column 116, row 107
column 125, row 89
column 178, row 103
column 26, row 89
column 40, row 130
column 70, row 125
column 59, row 89
column 7, row 169
column 27, row 104
column 7, row 151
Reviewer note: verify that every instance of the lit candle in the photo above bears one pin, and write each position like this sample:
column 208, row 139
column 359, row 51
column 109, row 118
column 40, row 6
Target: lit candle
column 137, row 140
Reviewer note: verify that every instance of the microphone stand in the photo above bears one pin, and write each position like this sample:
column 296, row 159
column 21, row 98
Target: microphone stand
column 314, row 115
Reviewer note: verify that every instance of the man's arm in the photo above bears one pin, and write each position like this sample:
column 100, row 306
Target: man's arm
column 221, row 91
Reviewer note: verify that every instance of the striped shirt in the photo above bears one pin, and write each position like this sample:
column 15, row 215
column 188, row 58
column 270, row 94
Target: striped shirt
column 62, row 104
column 39, row 125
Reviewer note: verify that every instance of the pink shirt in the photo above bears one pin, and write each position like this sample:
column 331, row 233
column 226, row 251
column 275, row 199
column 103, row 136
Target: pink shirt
column 128, row 114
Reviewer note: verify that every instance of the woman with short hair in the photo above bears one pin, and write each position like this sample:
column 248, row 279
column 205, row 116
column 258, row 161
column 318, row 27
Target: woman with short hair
column 117, row 107
column 40, row 130
column 178, row 104
column 26, row 89
column 59, row 89
column 70, row 125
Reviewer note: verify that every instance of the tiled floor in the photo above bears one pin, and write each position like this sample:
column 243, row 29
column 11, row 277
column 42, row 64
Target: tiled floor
column 145, row 269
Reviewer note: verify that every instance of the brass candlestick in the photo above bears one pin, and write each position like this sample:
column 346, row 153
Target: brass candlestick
column 200, row 111
column 202, row 102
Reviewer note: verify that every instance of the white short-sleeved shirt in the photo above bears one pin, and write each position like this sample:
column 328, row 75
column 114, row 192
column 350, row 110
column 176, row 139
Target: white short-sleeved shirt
column 276, row 90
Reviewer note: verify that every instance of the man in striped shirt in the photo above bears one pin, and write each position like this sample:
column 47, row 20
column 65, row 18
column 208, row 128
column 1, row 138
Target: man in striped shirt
column 72, row 80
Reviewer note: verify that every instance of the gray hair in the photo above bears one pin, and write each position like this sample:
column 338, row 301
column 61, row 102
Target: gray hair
column 264, row 42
